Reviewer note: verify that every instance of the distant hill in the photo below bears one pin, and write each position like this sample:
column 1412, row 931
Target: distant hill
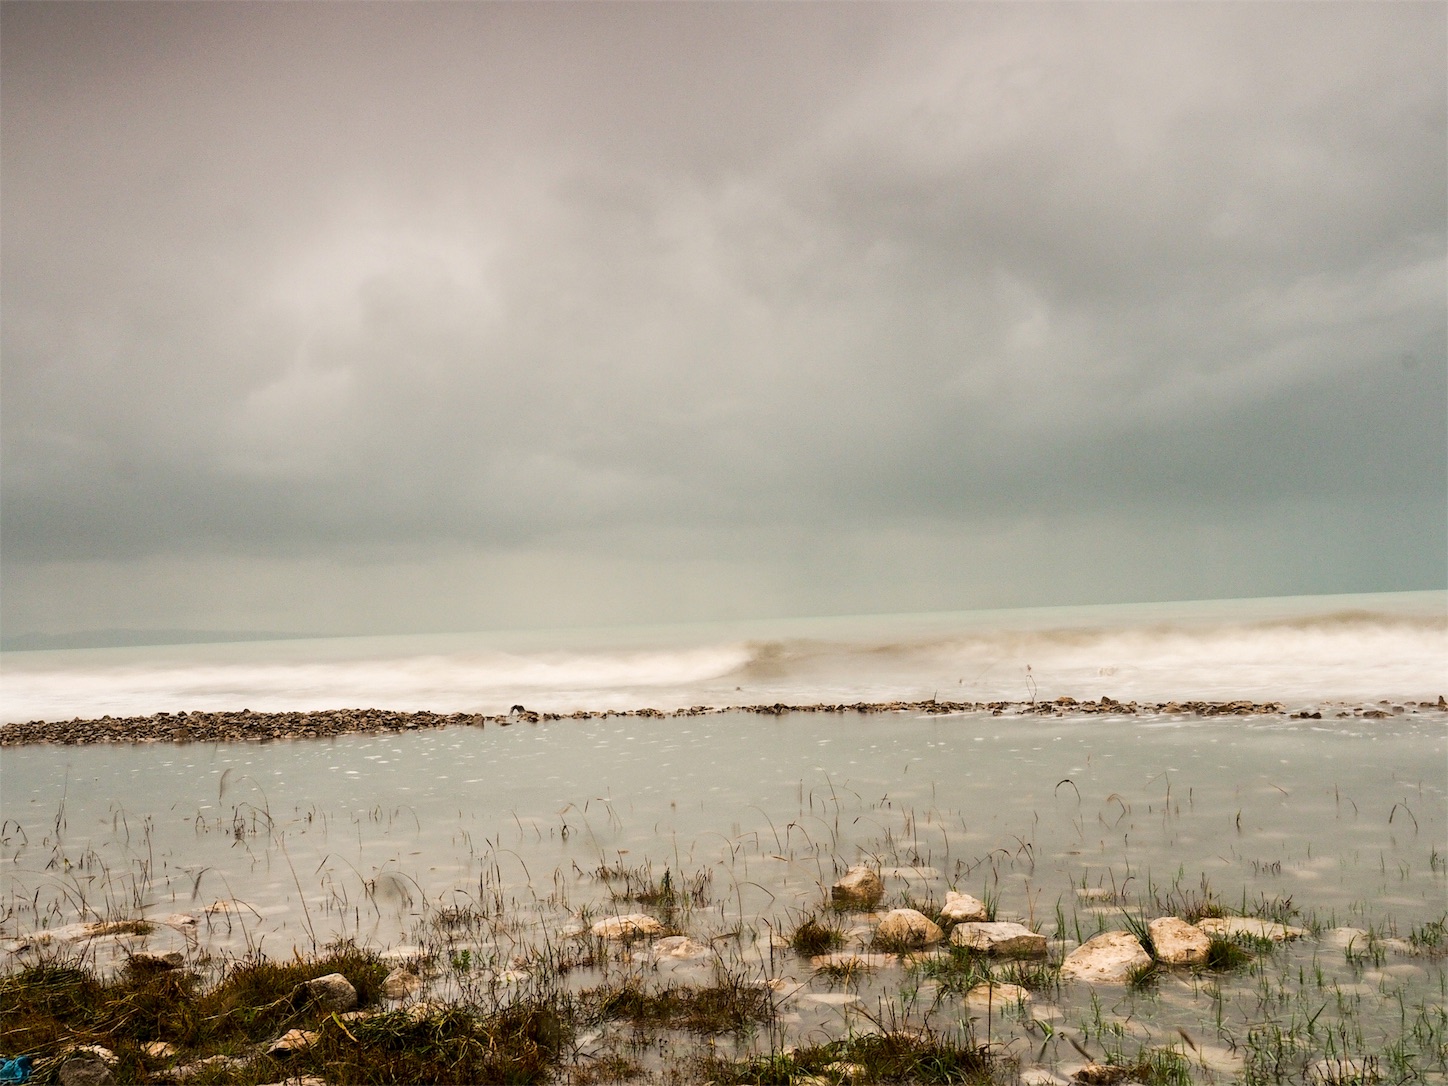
column 112, row 639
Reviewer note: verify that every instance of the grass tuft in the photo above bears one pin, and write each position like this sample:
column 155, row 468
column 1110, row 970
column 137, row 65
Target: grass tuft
column 815, row 936
column 916, row 1057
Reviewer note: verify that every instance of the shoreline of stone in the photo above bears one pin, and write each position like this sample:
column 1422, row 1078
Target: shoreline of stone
column 247, row 726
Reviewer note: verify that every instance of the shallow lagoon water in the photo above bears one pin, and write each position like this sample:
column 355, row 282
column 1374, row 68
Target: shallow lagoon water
column 1335, row 812
column 367, row 836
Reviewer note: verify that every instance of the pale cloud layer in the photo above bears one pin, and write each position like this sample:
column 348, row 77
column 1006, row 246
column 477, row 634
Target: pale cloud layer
column 370, row 317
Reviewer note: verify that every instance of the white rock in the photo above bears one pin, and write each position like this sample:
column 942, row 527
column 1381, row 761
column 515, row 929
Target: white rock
column 860, row 886
column 628, row 926
column 1108, row 958
column 908, row 928
column 1230, row 926
column 332, row 992
column 1177, row 942
column 1002, row 938
column 962, row 908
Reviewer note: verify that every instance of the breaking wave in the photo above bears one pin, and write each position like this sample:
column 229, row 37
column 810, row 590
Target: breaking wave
column 1309, row 651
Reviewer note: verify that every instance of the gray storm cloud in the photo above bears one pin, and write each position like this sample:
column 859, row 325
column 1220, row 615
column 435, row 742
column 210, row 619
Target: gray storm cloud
column 388, row 316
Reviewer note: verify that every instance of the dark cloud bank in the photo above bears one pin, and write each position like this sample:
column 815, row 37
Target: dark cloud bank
column 392, row 317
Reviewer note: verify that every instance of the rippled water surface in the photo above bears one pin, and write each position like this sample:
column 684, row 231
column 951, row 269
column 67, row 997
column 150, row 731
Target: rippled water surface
column 1066, row 823
column 1335, row 813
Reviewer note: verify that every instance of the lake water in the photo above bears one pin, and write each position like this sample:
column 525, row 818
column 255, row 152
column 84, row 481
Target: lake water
column 1343, row 818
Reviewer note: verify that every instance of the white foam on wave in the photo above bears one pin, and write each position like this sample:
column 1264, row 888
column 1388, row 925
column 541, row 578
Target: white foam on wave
column 1358, row 660
column 464, row 682
column 1310, row 651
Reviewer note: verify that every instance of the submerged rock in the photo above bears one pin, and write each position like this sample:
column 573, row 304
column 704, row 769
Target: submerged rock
column 1343, row 1071
column 998, row 995
column 1001, row 938
column 682, row 948
column 850, row 961
column 1347, row 938
column 1177, row 942
column 1108, row 958
column 628, row 926
column 859, row 887
column 908, row 928
column 1232, row 926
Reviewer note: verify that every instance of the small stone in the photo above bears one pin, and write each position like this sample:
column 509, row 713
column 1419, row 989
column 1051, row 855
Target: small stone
column 401, row 983
column 908, row 928
column 962, row 908
column 628, row 926
column 332, row 992
column 1000, row 938
column 859, row 887
column 1108, row 958
column 1101, row 1074
column 293, row 1040
column 1177, row 942
column 89, row 1065
column 159, row 1050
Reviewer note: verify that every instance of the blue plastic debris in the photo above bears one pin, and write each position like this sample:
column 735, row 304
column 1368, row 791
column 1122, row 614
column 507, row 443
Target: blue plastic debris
column 16, row 1070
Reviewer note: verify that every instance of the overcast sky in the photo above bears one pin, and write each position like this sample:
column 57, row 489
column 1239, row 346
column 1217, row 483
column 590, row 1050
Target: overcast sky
column 382, row 318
